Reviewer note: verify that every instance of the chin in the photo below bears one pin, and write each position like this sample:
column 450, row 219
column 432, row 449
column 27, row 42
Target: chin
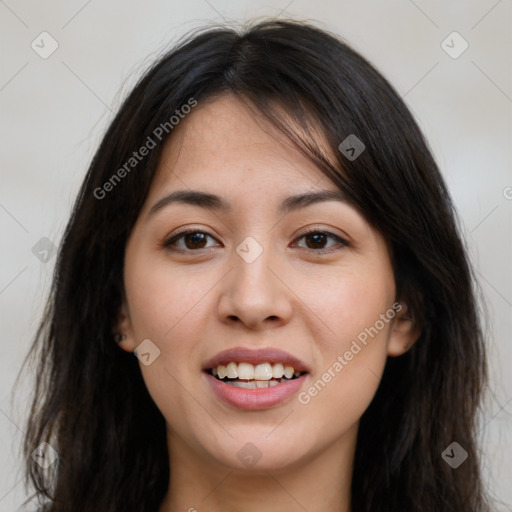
column 254, row 450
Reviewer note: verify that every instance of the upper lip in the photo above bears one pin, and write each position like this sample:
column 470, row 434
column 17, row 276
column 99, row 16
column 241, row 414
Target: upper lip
column 255, row 356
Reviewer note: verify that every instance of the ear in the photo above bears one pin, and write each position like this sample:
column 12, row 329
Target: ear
column 123, row 329
column 404, row 332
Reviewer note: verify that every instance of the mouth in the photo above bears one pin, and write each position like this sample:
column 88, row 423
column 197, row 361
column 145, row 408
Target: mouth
column 248, row 376
column 255, row 379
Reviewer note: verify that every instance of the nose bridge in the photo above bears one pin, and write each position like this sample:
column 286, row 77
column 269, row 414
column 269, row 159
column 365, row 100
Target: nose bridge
column 253, row 280
column 252, row 261
column 253, row 293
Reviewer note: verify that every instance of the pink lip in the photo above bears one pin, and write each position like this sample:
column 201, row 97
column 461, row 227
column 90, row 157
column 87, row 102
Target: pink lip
column 259, row 398
column 254, row 399
column 256, row 356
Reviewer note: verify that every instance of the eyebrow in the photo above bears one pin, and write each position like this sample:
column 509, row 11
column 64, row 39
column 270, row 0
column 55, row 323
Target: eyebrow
column 216, row 203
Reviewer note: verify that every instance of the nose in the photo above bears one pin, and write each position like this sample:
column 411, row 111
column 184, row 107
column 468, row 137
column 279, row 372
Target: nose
column 255, row 294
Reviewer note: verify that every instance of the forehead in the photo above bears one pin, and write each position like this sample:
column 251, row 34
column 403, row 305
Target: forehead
column 223, row 142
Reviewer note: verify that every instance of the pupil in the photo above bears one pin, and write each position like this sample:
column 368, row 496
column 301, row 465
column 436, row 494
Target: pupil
column 317, row 235
column 196, row 237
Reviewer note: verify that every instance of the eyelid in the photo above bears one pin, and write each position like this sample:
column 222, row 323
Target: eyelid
column 176, row 236
column 342, row 240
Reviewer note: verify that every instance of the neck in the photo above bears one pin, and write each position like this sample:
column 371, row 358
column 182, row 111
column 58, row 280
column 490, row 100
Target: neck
column 320, row 484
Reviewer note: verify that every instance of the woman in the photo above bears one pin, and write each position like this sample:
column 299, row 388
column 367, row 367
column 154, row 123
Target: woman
column 264, row 227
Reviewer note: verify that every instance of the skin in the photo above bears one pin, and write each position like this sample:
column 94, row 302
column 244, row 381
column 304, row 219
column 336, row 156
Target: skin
column 194, row 304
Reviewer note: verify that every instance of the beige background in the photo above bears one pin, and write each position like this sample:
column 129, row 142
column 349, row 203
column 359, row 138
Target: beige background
column 55, row 110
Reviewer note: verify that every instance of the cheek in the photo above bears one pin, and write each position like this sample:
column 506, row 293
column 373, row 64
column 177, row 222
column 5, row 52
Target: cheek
column 352, row 304
column 354, row 350
column 165, row 311
column 163, row 300
column 168, row 307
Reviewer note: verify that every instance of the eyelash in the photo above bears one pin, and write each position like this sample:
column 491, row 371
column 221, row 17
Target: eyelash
column 341, row 241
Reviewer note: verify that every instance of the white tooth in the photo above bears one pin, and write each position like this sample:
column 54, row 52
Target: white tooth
column 221, row 371
column 245, row 371
column 242, row 384
column 263, row 371
column 232, row 370
column 277, row 371
column 288, row 372
column 272, row 383
column 214, row 371
column 262, row 383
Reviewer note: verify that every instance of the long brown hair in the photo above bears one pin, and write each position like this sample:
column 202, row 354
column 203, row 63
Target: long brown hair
column 91, row 404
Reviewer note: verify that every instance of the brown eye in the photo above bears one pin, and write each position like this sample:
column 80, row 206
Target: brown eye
column 316, row 239
column 192, row 239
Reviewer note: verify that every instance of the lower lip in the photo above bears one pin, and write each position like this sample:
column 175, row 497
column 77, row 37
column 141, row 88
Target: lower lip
column 254, row 399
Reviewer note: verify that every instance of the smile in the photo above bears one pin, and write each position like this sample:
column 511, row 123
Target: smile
column 255, row 379
column 249, row 376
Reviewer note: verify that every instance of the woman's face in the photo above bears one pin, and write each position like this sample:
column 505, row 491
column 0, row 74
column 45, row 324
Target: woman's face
column 251, row 279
